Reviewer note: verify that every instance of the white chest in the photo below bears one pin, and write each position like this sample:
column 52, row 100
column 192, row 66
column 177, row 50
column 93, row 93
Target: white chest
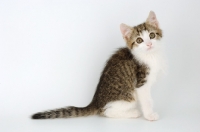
column 155, row 65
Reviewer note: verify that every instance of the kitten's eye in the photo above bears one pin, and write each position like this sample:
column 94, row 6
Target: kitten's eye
column 152, row 35
column 139, row 40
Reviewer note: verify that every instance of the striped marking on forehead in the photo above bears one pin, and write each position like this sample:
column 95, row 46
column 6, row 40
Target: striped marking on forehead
column 140, row 28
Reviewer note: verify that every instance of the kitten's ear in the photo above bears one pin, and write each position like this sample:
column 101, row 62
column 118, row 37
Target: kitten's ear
column 152, row 20
column 125, row 30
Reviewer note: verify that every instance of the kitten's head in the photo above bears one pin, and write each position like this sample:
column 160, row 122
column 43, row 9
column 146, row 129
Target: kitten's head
column 145, row 37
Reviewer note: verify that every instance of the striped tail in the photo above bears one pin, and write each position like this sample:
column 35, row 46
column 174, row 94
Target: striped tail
column 67, row 112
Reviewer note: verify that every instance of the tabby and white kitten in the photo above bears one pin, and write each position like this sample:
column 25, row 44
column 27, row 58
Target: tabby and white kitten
column 126, row 79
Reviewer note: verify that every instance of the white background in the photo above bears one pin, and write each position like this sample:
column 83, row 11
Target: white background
column 53, row 51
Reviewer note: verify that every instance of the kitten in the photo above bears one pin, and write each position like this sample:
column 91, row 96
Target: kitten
column 126, row 79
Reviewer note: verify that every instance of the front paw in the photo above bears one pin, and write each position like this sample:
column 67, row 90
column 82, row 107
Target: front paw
column 152, row 117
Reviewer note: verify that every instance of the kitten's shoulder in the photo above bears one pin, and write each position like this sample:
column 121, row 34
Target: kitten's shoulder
column 122, row 54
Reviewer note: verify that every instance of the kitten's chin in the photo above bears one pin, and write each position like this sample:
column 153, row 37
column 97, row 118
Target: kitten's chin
column 152, row 49
column 145, row 51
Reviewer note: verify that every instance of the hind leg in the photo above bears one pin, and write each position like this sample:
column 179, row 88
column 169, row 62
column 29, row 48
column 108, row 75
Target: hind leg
column 121, row 109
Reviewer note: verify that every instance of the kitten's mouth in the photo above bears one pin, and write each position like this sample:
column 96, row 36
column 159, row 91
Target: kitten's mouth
column 149, row 48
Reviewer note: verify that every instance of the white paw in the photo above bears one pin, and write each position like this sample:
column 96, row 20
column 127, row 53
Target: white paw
column 152, row 117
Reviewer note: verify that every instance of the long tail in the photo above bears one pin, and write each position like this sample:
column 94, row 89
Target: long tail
column 67, row 112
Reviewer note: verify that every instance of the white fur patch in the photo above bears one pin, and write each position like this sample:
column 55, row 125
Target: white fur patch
column 121, row 109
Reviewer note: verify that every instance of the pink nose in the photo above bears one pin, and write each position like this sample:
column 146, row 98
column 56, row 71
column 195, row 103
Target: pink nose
column 149, row 44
